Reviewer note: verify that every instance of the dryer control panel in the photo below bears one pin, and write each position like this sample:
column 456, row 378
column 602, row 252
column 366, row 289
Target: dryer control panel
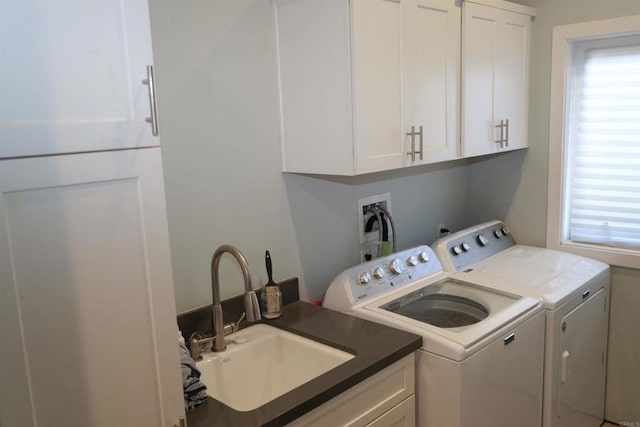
column 460, row 250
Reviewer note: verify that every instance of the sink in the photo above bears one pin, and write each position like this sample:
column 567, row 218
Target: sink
column 263, row 362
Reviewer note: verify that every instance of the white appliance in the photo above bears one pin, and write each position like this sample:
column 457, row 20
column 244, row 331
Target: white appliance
column 481, row 360
column 575, row 294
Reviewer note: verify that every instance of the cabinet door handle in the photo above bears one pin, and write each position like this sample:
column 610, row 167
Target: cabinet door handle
column 506, row 138
column 150, row 81
column 421, row 143
column 501, row 139
column 412, row 134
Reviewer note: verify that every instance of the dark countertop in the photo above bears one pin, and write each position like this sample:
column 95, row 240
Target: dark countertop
column 375, row 346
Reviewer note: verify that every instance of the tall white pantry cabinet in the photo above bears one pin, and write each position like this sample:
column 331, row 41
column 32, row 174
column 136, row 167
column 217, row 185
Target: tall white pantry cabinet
column 87, row 310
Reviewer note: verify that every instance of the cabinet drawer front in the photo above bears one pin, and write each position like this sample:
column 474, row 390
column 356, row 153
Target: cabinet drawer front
column 366, row 401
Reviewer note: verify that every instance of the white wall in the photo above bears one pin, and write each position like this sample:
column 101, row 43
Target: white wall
column 218, row 107
column 515, row 187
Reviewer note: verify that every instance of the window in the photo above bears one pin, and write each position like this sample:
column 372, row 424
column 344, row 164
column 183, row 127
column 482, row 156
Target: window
column 594, row 163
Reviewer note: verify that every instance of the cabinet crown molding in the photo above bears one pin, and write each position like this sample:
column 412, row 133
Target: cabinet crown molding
column 506, row 5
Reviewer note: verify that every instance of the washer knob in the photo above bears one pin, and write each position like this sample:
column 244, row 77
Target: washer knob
column 378, row 272
column 456, row 250
column 465, row 246
column 482, row 240
column 497, row 233
column 423, row 257
column 506, row 231
column 412, row 261
column 395, row 266
column 363, row 278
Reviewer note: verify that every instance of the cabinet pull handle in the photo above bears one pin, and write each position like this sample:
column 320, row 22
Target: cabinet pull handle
column 501, row 139
column 506, row 138
column 182, row 422
column 412, row 134
column 421, row 143
column 150, row 81
column 413, row 151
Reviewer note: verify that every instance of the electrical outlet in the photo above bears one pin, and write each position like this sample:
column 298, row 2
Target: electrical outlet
column 364, row 213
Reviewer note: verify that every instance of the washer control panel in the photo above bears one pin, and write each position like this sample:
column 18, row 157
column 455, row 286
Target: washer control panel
column 392, row 271
column 460, row 250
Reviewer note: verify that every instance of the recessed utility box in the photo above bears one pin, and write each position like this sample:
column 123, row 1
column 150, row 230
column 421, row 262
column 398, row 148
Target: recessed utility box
column 369, row 241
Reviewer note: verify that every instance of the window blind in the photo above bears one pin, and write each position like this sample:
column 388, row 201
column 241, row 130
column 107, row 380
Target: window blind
column 603, row 170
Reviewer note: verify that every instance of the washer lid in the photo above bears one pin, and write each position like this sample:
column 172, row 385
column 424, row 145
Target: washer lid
column 457, row 342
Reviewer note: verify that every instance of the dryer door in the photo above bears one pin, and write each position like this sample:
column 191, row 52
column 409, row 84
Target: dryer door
column 582, row 363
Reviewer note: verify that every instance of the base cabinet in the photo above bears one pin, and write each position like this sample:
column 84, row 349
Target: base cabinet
column 496, row 39
column 87, row 311
column 385, row 399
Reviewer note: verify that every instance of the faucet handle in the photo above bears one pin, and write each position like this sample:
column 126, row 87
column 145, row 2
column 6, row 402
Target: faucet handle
column 232, row 327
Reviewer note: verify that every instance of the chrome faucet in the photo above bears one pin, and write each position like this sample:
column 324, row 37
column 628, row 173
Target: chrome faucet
column 197, row 340
column 251, row 307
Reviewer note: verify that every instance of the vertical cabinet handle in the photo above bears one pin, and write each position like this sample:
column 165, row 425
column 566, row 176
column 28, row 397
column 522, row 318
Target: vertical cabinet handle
column 150, row 81
column 501, row 139
column 421, row 142
column 182, row 422
column 506, row 134
column 413, row 135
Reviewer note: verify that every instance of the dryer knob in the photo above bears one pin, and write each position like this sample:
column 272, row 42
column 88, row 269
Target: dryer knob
column 465, row 247
column 497, row 233
column 505, row 231
column 378, row 272
column 423, row 257
column 412, row 261
column 456, row 250
column 363, row 278
column 482, row 240
column 395, row 266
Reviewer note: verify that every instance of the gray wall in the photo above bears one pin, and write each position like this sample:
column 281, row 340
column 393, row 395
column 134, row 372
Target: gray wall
column 514, row 187
column 218, row 107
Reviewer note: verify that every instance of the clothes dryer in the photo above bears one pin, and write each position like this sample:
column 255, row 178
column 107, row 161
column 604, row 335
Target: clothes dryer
column 481, row 360
column 574, row 291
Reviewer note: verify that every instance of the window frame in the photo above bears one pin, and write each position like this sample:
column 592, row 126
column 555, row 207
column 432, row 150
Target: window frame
column 562, row 66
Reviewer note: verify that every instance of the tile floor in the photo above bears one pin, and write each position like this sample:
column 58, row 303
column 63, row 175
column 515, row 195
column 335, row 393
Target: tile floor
column 606, row 424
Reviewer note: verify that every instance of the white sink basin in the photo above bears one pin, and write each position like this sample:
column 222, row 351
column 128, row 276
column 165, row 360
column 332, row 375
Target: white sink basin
column 261, row 363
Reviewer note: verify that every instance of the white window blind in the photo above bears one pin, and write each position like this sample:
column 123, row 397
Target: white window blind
column 602, row 174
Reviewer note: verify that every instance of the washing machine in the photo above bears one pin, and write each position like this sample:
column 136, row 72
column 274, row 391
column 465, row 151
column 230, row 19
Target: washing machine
column 574, row 292
column 481, row 360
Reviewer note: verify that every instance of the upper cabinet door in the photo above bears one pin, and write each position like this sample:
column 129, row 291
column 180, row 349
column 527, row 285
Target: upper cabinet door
column 431, row 75
column 356, row 76
column 377, row 64
column 72, row 76
column 495, row 77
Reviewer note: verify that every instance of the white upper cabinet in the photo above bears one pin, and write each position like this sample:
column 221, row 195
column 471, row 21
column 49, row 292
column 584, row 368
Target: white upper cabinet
column 71, row 78
column 357, row 76
column 495, row 76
